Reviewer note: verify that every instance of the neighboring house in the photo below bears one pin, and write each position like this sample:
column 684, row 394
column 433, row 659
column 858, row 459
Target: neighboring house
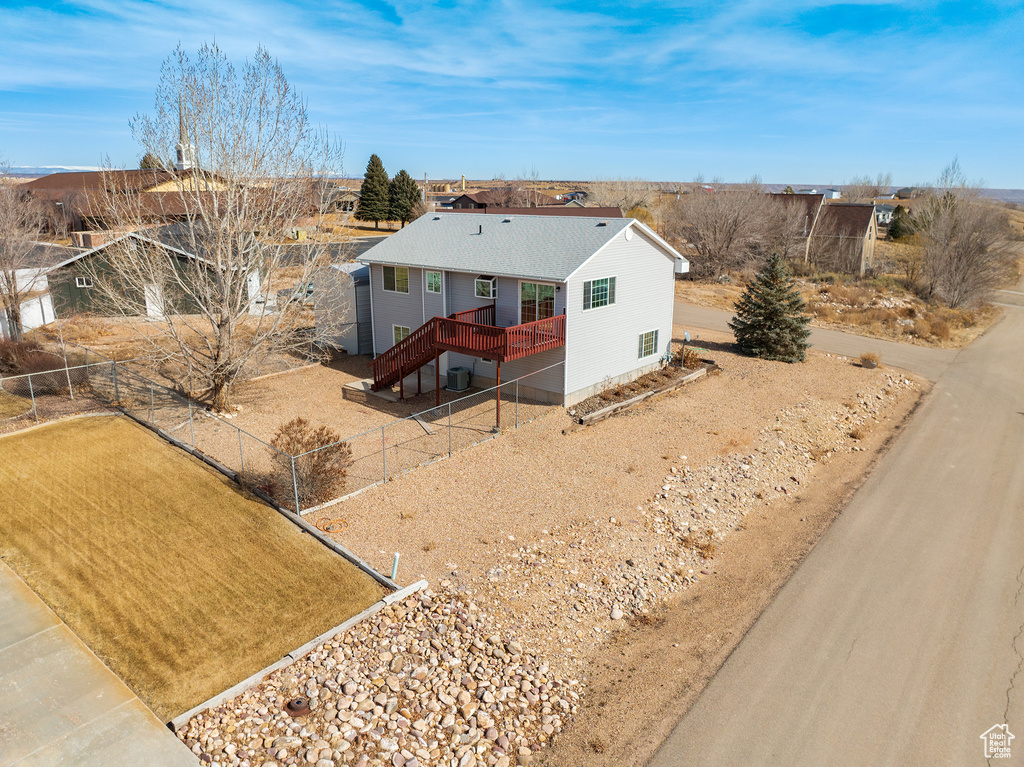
column 341, row 304
column 835, row 225
column 554, row 210
column 808, row 204
column 33, row 286
column 850, row 226
column 72, row 281
column 498, row 198
column 831, row 194
column 511, row 295
column 153, row 194
column 883, row 214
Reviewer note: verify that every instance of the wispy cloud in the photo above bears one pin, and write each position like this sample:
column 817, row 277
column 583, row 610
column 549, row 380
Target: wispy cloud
column 599, row 88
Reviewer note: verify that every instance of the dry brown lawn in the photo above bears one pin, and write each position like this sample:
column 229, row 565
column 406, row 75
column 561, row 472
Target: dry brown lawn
column 177, row 580
column 11, row 406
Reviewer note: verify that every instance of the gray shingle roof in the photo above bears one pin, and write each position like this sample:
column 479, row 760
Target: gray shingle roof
column 539, row 247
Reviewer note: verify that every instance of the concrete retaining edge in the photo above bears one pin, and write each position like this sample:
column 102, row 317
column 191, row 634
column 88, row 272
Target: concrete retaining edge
column 247, row 684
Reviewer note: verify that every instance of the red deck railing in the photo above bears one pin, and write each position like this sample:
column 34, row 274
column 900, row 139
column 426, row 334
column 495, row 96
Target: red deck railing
column 477, row 337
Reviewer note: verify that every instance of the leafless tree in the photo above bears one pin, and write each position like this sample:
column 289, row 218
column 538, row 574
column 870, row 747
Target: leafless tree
column 250, row 168
column 968, row 249
column 863, row 189
column 627, row 194
column 23, row 221
column 728, row 229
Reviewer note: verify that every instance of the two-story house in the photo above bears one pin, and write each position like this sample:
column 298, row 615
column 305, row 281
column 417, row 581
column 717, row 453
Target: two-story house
column 586, row 301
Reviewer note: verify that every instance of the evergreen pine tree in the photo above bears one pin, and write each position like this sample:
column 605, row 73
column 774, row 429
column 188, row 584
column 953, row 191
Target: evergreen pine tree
column 374, row 195
column 404, row 196
column 769, row 321
column 150, row 161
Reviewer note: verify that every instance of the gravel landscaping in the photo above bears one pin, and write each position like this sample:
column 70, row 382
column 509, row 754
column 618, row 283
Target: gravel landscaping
column 556, row 541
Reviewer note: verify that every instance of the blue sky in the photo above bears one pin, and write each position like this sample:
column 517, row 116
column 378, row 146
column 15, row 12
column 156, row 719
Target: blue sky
column 802, row 91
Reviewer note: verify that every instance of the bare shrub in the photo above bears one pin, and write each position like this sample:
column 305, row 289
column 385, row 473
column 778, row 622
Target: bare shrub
column 691, row 358
column 870, row 360
column 940, row 329
column 321, row 463
column 13, row 355
column 922, row 328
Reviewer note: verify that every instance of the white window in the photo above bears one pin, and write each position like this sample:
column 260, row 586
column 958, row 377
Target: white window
column 433, row 282
column 400, row 333
column 83, row 282
column 648, row 343
column 396, row 279
column 486, row 287
column 598, row 293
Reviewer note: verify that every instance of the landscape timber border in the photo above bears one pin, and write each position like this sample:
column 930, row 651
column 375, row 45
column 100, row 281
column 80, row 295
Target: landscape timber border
column 618, row 407
column 247, row 684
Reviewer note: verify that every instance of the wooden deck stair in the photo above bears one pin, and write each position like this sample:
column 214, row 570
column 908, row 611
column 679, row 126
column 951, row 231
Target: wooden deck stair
column 470, row 332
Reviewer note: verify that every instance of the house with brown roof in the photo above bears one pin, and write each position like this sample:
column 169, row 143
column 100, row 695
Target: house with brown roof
column 501, row 198
column 840, row 235
column 155, row 193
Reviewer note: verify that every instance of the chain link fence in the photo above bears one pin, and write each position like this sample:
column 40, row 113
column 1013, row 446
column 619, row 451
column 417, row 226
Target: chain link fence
column 80, row 380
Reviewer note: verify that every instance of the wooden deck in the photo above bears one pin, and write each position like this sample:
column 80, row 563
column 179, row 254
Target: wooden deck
column 471, row 332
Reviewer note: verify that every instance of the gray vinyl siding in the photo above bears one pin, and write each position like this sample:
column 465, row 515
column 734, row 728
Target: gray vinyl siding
column 364, row 319
column 602, row 343
column 433, row 303
column 462, row 292
column 391, row 308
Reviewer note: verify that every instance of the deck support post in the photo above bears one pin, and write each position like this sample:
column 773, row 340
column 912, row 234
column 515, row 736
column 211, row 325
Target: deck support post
column 401, row 384
column 497, row 401
column 437, row 378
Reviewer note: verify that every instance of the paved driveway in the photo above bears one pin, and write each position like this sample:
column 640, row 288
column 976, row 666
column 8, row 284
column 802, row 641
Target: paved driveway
column 922, row 360
column 59, row 705
column 899, row 640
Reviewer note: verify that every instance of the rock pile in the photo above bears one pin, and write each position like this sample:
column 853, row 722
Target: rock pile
column 423, row 682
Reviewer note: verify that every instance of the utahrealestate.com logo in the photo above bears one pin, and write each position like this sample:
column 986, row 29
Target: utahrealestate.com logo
column 997, row 741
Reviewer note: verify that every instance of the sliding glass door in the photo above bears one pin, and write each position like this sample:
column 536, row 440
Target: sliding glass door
column 536, row 301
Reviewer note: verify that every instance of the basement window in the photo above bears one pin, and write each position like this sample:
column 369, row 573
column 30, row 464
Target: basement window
column 83, row 282
column 648, row 344
column 400, row 333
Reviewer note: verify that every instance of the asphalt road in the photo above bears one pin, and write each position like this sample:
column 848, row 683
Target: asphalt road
column 898, row 641
column 925, row 361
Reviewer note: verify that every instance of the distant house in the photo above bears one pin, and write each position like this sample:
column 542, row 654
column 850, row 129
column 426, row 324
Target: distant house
column 831, row 194
column 883, row 214
column 553, row 210
column 848, row 229
column 153, row 195
column 587, row 301
column 907, row 193
column 500, row 198
column 835, row 226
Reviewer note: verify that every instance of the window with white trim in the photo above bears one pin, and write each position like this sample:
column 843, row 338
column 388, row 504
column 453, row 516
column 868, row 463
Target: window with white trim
column 648, row 344
column 598, row 293
column 83, row 282
column 433, row 282
column 400, row 333
column 396, row 279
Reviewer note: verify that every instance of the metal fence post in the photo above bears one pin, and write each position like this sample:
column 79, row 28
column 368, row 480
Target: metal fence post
column 32, row 394
column 517, row 403
column 151, row 405
column 449, row 429
column 241, row 455
column 384, row 453
column 191, row 426
column 295, row 486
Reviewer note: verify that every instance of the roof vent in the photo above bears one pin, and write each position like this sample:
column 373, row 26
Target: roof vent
column 437, row 218
column 602, row 223
column 481, row 230
column 507, row 221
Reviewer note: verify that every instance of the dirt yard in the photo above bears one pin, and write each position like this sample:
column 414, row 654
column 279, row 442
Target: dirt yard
column 178, row 581
column 574, row 540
